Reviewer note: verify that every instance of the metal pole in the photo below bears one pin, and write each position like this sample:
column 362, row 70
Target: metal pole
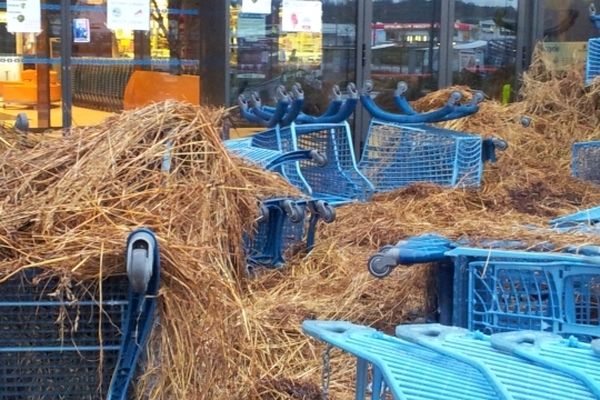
column 66, row 35
column 446, row 35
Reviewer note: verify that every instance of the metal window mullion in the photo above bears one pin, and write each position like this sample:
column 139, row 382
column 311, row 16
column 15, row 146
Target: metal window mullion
column 66, row 53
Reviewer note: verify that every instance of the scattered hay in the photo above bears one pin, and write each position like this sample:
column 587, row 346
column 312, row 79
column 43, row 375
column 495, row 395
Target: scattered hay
column 68, row 204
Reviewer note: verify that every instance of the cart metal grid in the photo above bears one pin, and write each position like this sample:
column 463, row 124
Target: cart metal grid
column 59, row 346
column 397, row 155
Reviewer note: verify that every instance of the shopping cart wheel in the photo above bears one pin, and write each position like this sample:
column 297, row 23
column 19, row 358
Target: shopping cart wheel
column 140, row 260
column 352, row 91
column 455, row 97
column 297, row 91
column 21, row 122
column 500, row 144
column 592, row 9
column 336, row 92
column 242, row 101
column 401, row 88
column 378, row 267
column 318, row 158
column 280, row 93
column 325, row 211
column 368, row 87
column 526, row 122
column 293, row 211
column 250, row 270
column 478, row 97
column 255, row 100
column 263, row 217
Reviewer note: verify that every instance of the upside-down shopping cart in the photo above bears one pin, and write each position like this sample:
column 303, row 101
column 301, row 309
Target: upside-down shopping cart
column 404, row 148
column 494, row 290
column 439, row 362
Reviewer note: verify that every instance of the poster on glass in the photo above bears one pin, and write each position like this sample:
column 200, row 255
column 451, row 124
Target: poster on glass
column 81, row 30
column 302, row 16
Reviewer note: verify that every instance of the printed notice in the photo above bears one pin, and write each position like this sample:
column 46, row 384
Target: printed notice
column 128, row 14
column 302, row 16
column 256, row 6
column 81, row 30
column 23, row 16
column 251, row 27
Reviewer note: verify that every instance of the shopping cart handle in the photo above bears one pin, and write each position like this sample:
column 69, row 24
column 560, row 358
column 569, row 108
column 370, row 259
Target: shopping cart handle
column 419, row 332
column 431, row 116
column 415, row 250
column 298, row 155
column 510, row 342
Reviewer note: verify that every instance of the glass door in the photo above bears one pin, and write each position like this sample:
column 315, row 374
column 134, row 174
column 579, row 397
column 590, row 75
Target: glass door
column 405, row 46
column 484, row 46
column 29, row 71
column 310, row 42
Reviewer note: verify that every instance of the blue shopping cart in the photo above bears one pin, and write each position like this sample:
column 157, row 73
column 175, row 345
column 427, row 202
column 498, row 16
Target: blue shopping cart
column 401, row 149
column 285, row 225
column 81, row 342
column 328, row 135
column 493, row 290
column 438, row 362
column 592, row 69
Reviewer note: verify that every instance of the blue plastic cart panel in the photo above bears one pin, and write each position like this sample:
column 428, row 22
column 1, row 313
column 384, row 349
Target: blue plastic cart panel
column 496, row 291
column 436, row 362
column 592, row 69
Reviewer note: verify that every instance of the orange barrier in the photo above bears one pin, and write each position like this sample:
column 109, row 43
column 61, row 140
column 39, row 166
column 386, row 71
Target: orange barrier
column 25, row 91
column 146, row 87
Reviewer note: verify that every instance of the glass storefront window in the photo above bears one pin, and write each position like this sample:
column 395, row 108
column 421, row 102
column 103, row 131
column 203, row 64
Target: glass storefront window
column 405, row 46
column 309, row 42
column 484, row 45
column 566, row 31
column 29, row 70
column 124, row 69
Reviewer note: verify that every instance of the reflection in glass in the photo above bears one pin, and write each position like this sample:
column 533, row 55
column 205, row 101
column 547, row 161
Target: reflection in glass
column 293, row 44
column 484, row 45
column 566, row 31
column 404, row 47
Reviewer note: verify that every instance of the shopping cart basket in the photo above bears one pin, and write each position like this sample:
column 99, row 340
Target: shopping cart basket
column 401, row 149
column 437, row 362
column 80, row 342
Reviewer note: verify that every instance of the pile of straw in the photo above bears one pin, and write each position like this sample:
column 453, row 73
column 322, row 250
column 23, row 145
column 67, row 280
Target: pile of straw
column 67, row 205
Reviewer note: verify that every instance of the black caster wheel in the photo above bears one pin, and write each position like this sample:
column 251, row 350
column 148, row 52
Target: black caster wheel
column 377, row 268
column 325, row 211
